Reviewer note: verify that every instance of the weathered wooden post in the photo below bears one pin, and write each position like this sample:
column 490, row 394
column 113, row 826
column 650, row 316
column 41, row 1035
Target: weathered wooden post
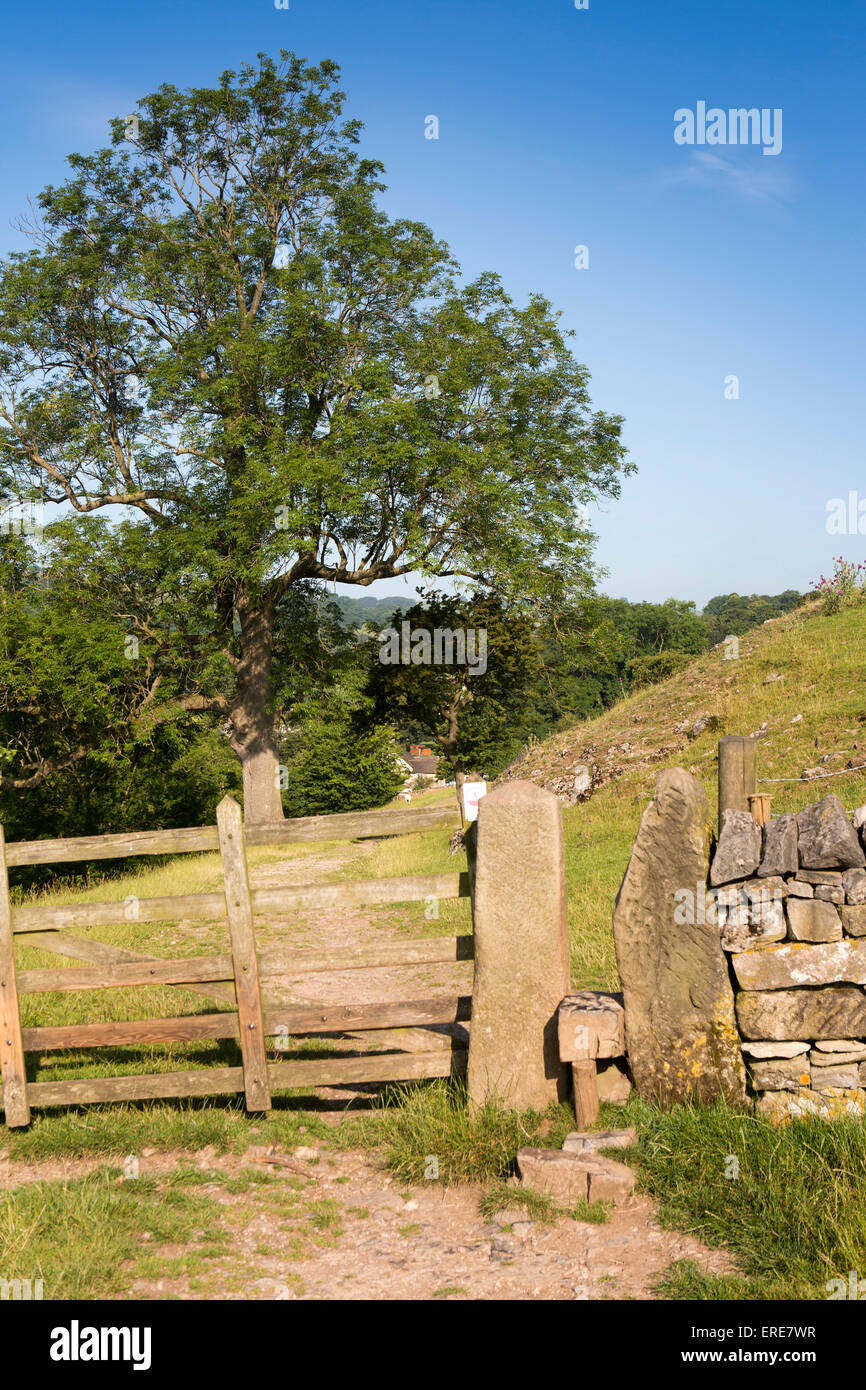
column 737, row 774
column 12, row 1065
column 521, row 949
column 244, row 960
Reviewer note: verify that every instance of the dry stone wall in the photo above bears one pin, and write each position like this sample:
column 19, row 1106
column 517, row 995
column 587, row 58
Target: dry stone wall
column 790, row 903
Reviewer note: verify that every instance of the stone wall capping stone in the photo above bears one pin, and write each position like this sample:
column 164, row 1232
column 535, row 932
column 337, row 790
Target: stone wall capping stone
column 738, row 852
column 826, row 837
column 780, row 846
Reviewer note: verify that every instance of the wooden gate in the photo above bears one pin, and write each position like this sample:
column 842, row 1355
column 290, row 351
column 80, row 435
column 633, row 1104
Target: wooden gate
column 240, row 978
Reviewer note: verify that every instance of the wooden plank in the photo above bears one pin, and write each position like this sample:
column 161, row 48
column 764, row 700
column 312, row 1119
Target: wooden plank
column 210, row 1081
column 239, row 911
column 195, row 906
column 81, row 948
column 318, row 897
column 267, row 902
column 350, row 1018
column 346, row 1071
column 214, row 1081
column 406, row 1039
column 144, row 1031
column 408, row 1017
column 146, row 972
column 201, row 839
column 434, row 950
column 12, row 1063
column 585, row 1093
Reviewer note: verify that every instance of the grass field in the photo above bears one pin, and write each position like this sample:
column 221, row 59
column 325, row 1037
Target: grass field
column 794, row 1217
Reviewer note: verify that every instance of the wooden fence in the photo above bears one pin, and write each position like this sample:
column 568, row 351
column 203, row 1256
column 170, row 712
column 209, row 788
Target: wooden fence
column 243, row 977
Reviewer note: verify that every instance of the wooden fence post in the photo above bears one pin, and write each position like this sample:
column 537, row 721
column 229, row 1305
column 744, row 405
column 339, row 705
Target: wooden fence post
column 737, row 774
column 521, row 949
column 243, row 942
column 11, row 1043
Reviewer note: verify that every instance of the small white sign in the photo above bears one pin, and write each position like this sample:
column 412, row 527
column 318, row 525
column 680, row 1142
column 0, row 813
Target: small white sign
column 472, row 794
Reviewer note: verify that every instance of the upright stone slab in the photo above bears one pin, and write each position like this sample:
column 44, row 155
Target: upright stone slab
column 521, row 949
column 780, row 847
column 827, row 839
column 680, row 1031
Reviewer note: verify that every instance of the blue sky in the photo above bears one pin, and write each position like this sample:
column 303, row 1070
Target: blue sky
column 556, row 129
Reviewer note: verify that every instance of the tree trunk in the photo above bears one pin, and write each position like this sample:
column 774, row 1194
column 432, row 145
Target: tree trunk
column 253, row 726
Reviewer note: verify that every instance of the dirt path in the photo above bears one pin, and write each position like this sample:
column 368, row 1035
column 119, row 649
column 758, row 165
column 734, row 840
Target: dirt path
column 332, row 1225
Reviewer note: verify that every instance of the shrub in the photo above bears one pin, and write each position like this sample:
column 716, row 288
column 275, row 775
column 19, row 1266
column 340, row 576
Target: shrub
column 342, row 769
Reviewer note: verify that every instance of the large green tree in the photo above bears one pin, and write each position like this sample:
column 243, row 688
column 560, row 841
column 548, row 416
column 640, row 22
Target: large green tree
column 218, row 329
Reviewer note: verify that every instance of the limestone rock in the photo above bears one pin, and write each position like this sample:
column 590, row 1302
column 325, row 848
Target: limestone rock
column 840, row 1045
column 738, row 852
column 780, row 846
column 570, row 1177
column 795, row 888
column 799, row 963
column 612, row 1083
column 768, row 889
column 736, row 937
column 782, row 1074
column 827, row 839
column 610, row 1181
column 679, row 1020
column 591, row 1141
column 815, row 876
column 769, row 1050
column 809, row 919
column 836, row 1011
column 830, row 893
column 854, row 920
column 830, row 1078
column 783, row 1106
column 838, row 1058
column 854, row 883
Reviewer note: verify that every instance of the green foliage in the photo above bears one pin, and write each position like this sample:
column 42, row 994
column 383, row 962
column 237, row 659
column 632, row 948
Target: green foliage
column 479, row 712
column 649, row 670
column 342, row 768
column 730, row 615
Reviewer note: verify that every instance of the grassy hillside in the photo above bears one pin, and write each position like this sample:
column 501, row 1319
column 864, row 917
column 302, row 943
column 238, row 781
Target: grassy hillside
column 798, row 679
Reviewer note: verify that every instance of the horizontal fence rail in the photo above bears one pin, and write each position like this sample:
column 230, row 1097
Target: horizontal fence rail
column 215, row 1081
column 266, row 902
column 349, row 825
column 302, row 1019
